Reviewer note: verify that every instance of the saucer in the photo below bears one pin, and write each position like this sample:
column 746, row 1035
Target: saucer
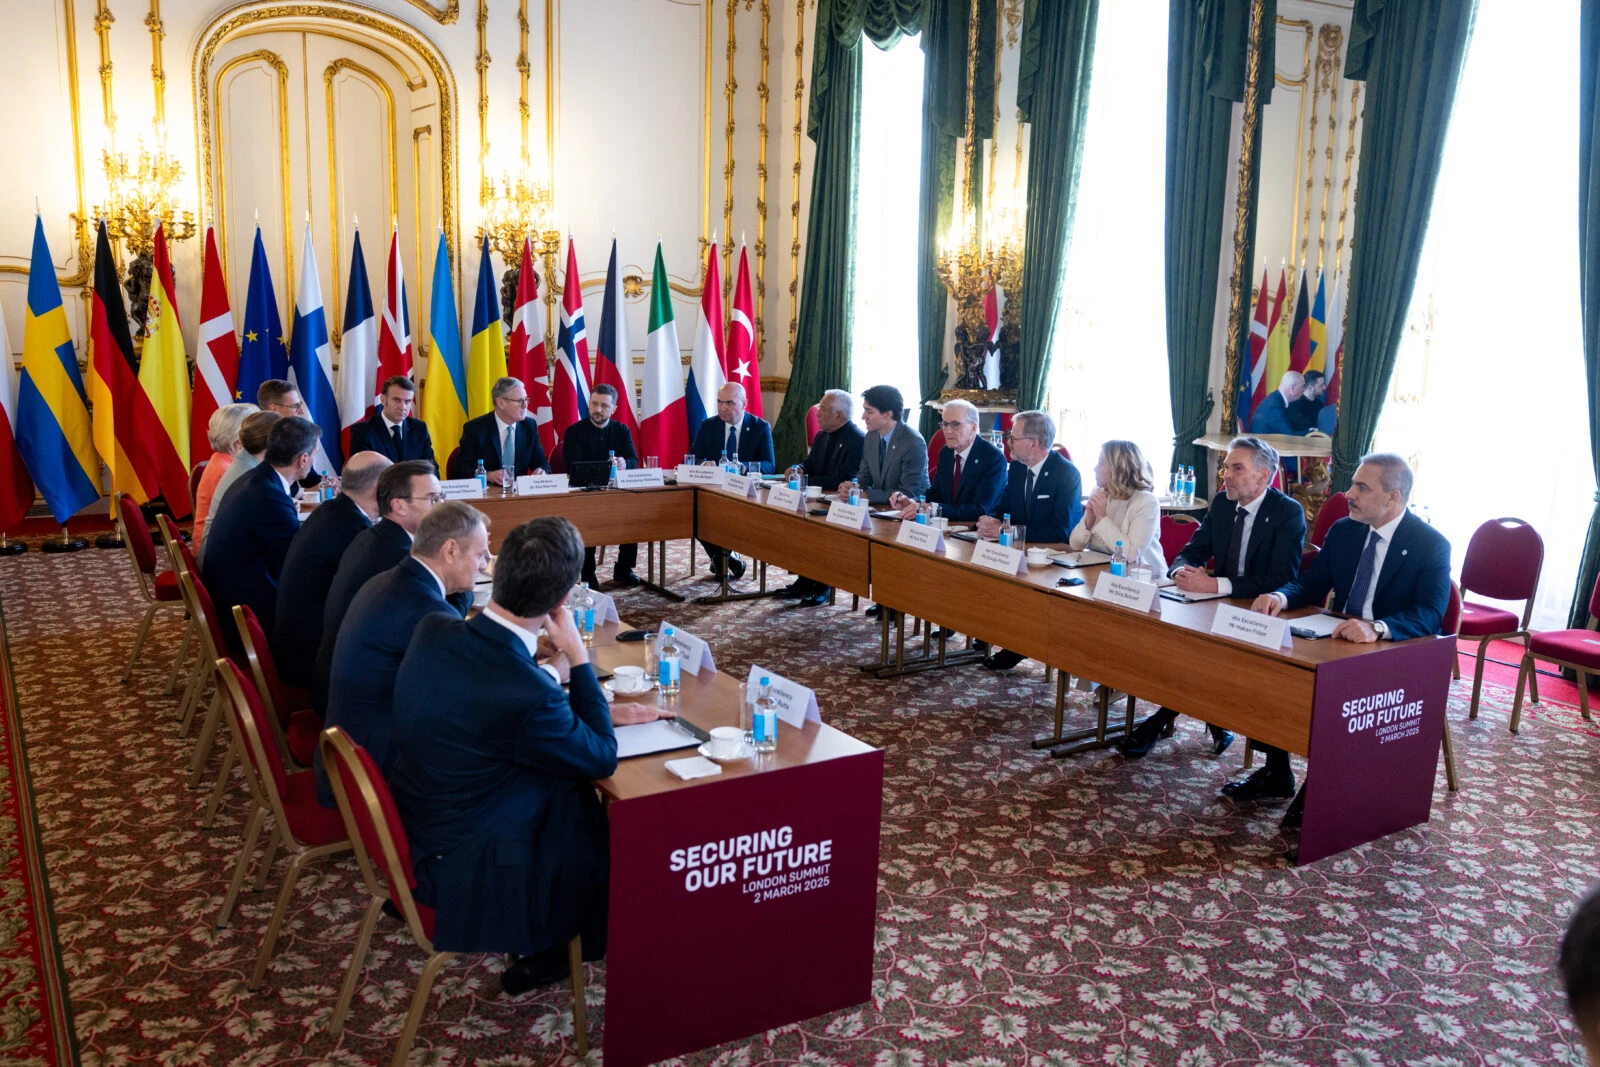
column 746, row 750
column 621, row 692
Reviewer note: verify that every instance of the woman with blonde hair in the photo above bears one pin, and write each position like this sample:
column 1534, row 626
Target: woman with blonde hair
column 223, row 434
column 1123, row 508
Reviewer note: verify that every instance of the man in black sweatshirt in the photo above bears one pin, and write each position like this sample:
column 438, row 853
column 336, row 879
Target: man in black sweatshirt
column 598, row 438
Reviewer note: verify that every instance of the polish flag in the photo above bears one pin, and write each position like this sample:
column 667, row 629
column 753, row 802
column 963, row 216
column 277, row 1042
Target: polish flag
column 216, row 359
column 744, row 358
column 525, row 359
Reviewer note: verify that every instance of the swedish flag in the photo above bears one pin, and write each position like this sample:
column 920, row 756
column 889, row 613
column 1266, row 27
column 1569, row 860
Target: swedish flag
column 52, row 411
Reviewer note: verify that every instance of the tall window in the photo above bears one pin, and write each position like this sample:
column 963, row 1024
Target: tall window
column 1488, row 398
column 884, row 346
column 1108, row 377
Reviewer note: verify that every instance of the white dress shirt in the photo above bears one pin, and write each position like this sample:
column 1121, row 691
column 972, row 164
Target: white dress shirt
column 1225, row 582
column 393, row 425
column 530, row 640
column 289, row 484
column 442, row 591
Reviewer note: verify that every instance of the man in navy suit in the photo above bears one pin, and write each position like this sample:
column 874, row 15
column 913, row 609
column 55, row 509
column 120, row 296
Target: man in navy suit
column 494, row 764
column 835, row 457
column 1044, row 495
column 451, row 547
column 1388, row 571
column 246, row 542
column 312, row 562
column 1272, row 414
column 391, row 430
column 504, row 437
column 738, row 435
column 1256, row 535
column 971, row 474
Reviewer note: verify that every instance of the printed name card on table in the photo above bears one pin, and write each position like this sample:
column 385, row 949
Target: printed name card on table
column 785, row 499
column 998, row 557
column 1124, row 592
column 854, row 516
column 641, row 478
column 461, row 489
column 927, row 538
column 1251, row 627
column 796, row 704
column 741, row 485
column 542, row 484
column 695, row 653
column 693, row 474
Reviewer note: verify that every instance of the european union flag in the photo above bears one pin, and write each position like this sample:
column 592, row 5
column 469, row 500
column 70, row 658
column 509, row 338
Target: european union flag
column 265, row 352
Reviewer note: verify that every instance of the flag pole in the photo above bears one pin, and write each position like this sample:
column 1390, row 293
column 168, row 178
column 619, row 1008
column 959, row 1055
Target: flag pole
column 68, row 543
column 11, row 548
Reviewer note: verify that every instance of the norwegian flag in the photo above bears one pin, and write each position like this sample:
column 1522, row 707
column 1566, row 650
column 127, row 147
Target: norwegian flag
column 394, row 332
column 525, row 359
column 744, row 358
column 216, row 359
column 1253, row 379
column 570, row 401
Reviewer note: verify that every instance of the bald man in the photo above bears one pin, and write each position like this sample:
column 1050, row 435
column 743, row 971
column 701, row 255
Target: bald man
column 736, row 434
column 1272, row 415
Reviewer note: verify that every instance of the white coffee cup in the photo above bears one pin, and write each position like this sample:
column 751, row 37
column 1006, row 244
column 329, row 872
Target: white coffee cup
column 813, row 492
column 1038, row 556
column 628, row 680
column 726, row 742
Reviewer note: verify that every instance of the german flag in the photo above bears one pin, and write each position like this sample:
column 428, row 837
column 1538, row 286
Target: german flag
column 115, row 396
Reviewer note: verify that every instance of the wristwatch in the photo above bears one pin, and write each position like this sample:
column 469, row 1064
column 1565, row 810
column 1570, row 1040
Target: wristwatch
column 1382, row 628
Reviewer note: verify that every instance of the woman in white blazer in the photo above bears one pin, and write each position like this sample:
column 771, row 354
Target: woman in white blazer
column 1123, row 508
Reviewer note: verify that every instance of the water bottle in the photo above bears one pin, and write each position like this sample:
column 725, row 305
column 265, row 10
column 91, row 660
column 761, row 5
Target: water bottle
column 1188, row 485
column 482, row 475
column 1008, row 532
column 922, row 510
column 855, row 491
column 613, row 457
column 795, row 478
column 1119, row 561
column 723, row 462
column 764, row 722
column 669, row 663
column 325, row 489
column 508, row 481
column 1176, row 492
column 583, row 612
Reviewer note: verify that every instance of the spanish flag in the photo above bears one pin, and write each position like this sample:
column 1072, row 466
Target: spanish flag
column 164, row 378
column 444, row 391
column 53, row 431
column 486, row 360
column 1277, row 338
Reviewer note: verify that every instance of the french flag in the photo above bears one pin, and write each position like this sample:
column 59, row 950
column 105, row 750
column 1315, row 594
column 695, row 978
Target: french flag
column 311, row 363
column 570, row 401
column 358, row 351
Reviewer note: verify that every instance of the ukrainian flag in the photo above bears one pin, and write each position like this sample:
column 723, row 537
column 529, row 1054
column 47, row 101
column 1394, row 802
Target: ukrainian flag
column 52, row 411
column 486, row 361
column 444, row 391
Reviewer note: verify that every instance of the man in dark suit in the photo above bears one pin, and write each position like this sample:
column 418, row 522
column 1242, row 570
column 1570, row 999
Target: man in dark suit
column 391, row 430
column 406, row 492
column 1303, row 412
column 504, row 437
column 494, row 764
column 1387, row 569
column 1044, row 495
column 738, row 435
column 835, row 457
column 1272, row 414
column 1256, row 535
column 313, row 560
column 451, row 547
column 246, row 542
column 971, row 474
column 596, row 439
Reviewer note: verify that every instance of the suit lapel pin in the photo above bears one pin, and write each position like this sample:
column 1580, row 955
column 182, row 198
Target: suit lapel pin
column 1403, row 551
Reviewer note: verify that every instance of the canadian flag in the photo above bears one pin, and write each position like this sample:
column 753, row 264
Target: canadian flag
column 525, row 359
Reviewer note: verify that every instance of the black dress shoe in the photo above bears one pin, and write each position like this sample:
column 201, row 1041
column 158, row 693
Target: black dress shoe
column 531, row 972
column 814, row 600
column 591, row 579
column 874, row 611
column 1003, row 660
column 735, row 568
column 1220, row 739
column 1145, row 734
column 793, row 591
column 1262, row 785
column 626, row 580
column 1293, row 814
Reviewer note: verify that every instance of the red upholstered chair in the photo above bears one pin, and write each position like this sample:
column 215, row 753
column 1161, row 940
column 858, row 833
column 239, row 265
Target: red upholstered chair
column 384, row 855
column 1503, row 562
column 450, row 463
column 195, row 476
column 178, row 558
column 1307, row 555
column 212, row 650
column 1336, row 507
column 812, row 425
column 1451, row 624
column 301, row 825
column 1175, row 533
column 1060, row 450
column 297, row 725
column 159, row 588
column 558, row 459
column 935, row 443
column 1576, row 650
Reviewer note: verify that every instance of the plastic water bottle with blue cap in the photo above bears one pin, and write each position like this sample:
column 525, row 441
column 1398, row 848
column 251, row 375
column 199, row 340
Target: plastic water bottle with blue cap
column 669, row 663
column 482, row 474
column 583, row 612
column 764, row 722
column 1119, row 561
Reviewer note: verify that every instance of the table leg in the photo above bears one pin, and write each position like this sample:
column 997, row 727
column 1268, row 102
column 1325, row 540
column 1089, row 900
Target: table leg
column 1056, row 738
column 650, row 582
column 1097, row 736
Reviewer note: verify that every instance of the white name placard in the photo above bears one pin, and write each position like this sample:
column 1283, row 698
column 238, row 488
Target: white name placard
column 855, row 516
column 695, row 654
column 542, row 484
column 693, row 474
column 739, row 485
column 786, row 499
column 796, row 704
column 1251, row 627
column 641, row 478
column 461, row 489
column 998, row 557
column 916, row 535
column 1115, row 589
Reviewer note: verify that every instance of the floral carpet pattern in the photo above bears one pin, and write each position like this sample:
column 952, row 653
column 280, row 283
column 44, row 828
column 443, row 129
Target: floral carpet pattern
column 1032, row 912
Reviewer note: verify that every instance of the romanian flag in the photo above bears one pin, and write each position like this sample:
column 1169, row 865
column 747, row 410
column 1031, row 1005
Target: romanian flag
column 53, row 431
column 1277, row 342
column 486, row 358
column 1317, row 329
column 121, row 419
column 444, row 393
column 164, row 379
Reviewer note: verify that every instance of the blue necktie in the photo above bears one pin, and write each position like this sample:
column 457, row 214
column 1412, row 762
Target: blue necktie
column 733, row 441
column 1355, row 603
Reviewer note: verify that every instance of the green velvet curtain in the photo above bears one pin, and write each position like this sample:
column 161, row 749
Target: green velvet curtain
column 1053, row 96
column 1410, row 55
column 1207, row 54
column 1589, row 277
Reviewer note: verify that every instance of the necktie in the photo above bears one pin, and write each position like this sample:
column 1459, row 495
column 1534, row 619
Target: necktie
column 1027, row 497
column 508, row 450
column 733, row 441
column 883, row 450
column 955, row 480
column 1235, row 562
column 1356, row 602
column 394, row 435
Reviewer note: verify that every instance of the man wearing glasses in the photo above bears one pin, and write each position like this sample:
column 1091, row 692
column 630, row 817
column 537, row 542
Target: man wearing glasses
column 971, row 475
column 502, row 438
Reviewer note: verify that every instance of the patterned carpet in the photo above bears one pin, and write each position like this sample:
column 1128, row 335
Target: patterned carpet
column 1032, row 912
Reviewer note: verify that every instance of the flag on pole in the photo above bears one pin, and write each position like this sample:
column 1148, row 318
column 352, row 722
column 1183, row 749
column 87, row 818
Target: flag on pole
column 1277, row 344
column 444, row 393
column 611, row 348
column 311, row 361
column 526, row 360
column 1253, row 372
column 53, row 431
column 486, row 356
column 216, row 361
column 265, row 352
column 1317, row 331
column 744, row 357
column 994, row 306
column 663, row 427
column 1300, row 345
column 1335, row 342
column 16, row 491
column 113, row 386
column 164, row 380
column 570, row 401
column 705, row 368
column 358, row 350
column 394, row 339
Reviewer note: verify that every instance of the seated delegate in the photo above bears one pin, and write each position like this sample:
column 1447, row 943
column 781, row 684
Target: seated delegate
column 970, row 477
column 835, row 456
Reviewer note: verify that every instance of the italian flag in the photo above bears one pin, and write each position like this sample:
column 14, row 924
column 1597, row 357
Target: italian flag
column 663, row 427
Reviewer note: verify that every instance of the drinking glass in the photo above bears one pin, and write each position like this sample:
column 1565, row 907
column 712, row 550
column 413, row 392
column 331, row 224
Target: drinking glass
column 651, row 462
column 688, row 459
column 652, row 665
column 745, row 718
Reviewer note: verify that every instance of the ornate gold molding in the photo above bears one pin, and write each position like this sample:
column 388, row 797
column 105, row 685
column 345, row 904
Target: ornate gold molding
column 276, row 62
column 761, row 184
column 705, row 207
column 416, row 199
column 1326, row 70
column 1012, row 10
column 445, row 17
column 158, row 77
column 1349, row 164
column 794, row 208
column 1241, row 216
column 1330, row 38
column 994, row 140
column 336, row 325
column 103, row 18
column 483, row 85
column 523, row 69
column 550, row 92
column 730, row 87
